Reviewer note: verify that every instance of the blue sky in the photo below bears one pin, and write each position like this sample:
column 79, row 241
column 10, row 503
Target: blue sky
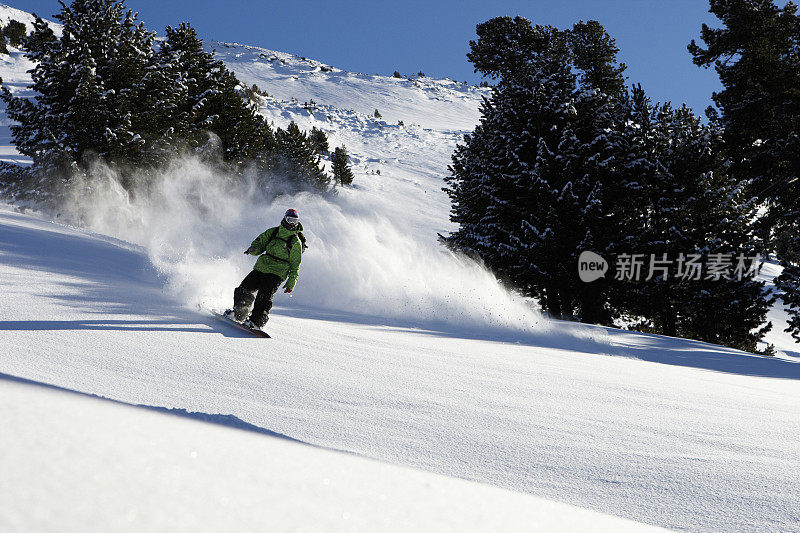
column 432, row 36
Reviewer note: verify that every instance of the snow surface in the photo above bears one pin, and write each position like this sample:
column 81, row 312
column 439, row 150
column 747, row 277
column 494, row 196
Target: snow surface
column 668, row 443
column 429, row 102
column 390, row 348
column 158, row 470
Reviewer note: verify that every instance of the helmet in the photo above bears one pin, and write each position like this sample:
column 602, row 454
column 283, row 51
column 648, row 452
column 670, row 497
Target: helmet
column 291, row 218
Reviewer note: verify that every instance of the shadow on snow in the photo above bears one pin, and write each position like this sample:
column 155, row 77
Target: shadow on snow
column 108, row 278
column 113, row 325
column 697, row 354
column 230, row 421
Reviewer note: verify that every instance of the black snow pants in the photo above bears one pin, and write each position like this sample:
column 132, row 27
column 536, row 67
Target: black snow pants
column 256, row 286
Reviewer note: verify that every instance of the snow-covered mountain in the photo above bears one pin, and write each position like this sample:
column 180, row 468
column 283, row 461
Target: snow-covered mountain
column 410, row 146
column 391, row 349
column 431, row 103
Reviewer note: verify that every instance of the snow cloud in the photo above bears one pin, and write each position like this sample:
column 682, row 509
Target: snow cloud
column 195, row 223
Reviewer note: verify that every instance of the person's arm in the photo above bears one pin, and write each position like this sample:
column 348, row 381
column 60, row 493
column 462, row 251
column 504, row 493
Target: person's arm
column 295, row 256
column 258, row 246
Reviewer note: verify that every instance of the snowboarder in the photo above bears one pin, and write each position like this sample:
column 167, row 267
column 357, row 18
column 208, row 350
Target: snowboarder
column 279, row 250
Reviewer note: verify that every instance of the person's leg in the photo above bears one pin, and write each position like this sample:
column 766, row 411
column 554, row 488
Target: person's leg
column 244, row 294
column 266, row 291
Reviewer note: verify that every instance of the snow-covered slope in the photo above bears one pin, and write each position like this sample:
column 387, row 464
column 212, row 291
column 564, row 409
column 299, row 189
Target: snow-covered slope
column 429, row 102
column 8, row 13
column 405, row 160
column 144, row 470
column 390, row 347
column 666, row 442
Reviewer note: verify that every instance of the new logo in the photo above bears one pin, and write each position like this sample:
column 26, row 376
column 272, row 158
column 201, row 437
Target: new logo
column 591, row 266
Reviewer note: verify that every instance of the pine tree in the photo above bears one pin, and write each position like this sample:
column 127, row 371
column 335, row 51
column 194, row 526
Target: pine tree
column 15, row 32
column 757, row 56
column 566, row 160
column 535, row 184
column 207, row 98
column 602, row 196
column 731, row 312
column 342, row 173
column 85, row 67
column 788, row 283
column 301, row 162
column 320, row 140
column 240, row 129
column 506, row 181
column 688, row 204
column 31, row 134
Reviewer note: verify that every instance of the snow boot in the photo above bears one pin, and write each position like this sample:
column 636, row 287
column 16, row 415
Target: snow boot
column 252, row 324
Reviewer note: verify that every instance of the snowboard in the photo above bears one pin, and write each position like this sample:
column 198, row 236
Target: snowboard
column 252, row 331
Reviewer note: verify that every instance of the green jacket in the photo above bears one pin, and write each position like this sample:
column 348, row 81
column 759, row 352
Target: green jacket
column 276, row 258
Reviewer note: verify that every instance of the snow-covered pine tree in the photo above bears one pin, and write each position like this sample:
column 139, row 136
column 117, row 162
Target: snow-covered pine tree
column 535, row 183
column 787, row 248
column 661, row 227
column 32, row 127
column 638, row 160
column 788, row 283
column 507, row 182
column 602, row 199
column 690, row 204
column 757, row 56
column 301, row 162
column 731, row 312
column 211, row 100
column 320, row 140
column 244, row 134
column 15, row 32
column 595, row 52
column 474, row 189
column 342, row 173
column 100, row 60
